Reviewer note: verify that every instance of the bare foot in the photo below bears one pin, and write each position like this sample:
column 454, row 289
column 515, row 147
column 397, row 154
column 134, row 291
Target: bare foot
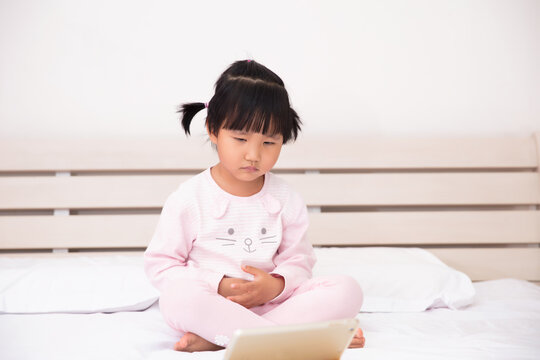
column 191, row 342
column 358, row 340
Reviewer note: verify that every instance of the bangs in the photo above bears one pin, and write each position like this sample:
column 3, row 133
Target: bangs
column 260, row 108
column 252, row 105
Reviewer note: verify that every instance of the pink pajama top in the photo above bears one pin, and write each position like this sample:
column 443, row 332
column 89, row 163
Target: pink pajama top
column 205, row 233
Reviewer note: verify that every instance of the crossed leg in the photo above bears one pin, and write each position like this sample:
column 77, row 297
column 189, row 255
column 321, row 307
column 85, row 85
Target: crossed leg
column 208, row 320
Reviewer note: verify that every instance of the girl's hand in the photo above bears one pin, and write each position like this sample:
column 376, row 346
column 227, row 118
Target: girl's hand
column 261, row 290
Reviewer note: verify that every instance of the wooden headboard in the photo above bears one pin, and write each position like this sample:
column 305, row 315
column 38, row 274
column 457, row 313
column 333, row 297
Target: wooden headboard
column 472, row 201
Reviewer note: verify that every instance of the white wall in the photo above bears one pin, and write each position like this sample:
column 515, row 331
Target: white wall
column 120, row 67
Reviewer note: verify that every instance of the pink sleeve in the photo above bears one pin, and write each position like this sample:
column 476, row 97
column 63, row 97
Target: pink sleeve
column 167, row 255
column 295, row 257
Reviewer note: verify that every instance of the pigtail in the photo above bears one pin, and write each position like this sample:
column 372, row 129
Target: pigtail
column 188, row 111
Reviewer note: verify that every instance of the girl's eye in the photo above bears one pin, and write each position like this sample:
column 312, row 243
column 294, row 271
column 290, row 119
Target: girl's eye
column 268, row 143
column 240, row 139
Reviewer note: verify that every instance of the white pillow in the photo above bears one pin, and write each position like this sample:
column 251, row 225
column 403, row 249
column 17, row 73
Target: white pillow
column 398, row 279
column 74, row 285
column 392, row 279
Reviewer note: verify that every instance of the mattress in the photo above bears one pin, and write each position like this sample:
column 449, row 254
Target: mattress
column 503, row 322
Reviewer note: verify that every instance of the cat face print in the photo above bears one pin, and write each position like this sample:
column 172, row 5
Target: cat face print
column 247, row 242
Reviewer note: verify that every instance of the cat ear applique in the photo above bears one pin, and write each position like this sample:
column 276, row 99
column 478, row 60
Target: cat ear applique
column 220, row 207
column 271, row 204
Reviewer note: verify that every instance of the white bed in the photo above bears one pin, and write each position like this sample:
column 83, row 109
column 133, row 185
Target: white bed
column 503, row 322
column 442, row 234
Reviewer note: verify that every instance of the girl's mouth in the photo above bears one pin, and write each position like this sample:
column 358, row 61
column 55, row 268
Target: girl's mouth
column 250, row 168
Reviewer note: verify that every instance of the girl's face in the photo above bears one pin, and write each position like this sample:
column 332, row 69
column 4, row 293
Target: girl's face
column 246, row 156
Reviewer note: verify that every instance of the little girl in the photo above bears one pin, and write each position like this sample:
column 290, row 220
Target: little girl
column 230, row 249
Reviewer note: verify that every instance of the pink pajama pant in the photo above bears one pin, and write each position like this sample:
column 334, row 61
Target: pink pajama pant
column 192, row 306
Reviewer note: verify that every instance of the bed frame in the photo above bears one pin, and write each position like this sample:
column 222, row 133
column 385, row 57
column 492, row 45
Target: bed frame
column 472, row 201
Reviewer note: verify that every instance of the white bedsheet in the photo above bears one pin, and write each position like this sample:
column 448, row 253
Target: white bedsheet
column 503, row 323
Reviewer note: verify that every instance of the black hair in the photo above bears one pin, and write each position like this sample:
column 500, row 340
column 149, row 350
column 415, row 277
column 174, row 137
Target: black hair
column 248, row 97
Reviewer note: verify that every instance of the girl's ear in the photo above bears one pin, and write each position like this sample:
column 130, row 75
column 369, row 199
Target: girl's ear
column 213, row 138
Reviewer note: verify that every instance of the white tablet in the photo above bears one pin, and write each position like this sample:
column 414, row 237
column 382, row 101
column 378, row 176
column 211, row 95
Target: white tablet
column 313, row 341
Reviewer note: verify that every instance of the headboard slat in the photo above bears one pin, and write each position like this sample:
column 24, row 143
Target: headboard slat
column 326, row 229
column 140, row 191
column 490, row 264
column 326, row 152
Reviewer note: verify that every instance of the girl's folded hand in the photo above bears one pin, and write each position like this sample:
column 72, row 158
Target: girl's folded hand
column 261, row 290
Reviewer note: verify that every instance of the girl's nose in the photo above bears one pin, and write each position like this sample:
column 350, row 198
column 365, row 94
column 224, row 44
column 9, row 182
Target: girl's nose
column 253, row 153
